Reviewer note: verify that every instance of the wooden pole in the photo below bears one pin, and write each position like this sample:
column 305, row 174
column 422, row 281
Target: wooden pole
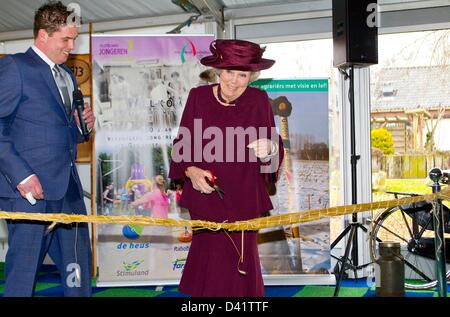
column 93, row 188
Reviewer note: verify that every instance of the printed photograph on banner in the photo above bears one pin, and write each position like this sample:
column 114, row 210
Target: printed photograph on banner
column 300, row 107
column 140, row 87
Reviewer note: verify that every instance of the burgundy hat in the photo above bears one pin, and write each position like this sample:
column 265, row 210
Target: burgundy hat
column 236, row 55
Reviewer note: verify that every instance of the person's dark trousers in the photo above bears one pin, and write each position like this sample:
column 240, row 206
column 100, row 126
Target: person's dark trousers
column 67, row 245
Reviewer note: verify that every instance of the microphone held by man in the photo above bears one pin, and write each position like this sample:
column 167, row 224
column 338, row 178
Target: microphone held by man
column 80, row 115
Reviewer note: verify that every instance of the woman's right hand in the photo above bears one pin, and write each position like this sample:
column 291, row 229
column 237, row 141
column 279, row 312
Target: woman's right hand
column 197, row 176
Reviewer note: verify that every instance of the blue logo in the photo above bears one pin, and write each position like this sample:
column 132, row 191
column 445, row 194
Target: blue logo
column 132, row 232
column 178, row 264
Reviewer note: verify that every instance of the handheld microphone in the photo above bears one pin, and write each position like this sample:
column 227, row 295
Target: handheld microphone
column 79, row 105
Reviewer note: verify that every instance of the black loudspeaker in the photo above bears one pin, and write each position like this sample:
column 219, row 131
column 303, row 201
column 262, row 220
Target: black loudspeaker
column 355, row 33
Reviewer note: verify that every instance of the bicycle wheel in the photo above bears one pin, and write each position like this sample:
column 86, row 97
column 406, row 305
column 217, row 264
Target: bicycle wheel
column 416, row 244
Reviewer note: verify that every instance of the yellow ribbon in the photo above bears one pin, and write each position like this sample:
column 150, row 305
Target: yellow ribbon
column 252, row 224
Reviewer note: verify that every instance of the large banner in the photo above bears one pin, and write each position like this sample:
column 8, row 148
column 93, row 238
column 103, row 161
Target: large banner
column 140, row 87
column 301, row 114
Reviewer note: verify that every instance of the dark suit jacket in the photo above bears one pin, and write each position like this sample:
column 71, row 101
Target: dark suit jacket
column 36, row 135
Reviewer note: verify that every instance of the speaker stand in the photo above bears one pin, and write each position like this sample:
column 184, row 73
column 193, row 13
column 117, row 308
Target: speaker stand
column 351, row 228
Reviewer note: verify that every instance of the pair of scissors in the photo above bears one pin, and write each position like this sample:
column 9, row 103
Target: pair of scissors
column 211, row 183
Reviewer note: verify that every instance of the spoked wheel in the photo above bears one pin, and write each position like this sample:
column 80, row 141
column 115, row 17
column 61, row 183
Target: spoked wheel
column 416, row 244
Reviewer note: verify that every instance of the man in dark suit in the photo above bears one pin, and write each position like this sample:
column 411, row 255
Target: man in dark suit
column 39, row 132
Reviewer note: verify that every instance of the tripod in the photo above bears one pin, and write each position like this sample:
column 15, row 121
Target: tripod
column 351, row 228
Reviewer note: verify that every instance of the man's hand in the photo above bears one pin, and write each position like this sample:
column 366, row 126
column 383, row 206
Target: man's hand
column 32, row 186
column 88, row 116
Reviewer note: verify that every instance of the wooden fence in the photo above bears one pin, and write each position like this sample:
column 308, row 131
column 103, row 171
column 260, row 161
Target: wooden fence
column 411, row 165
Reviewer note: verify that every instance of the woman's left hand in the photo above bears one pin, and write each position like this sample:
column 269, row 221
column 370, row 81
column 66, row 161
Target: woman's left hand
column 261, row 147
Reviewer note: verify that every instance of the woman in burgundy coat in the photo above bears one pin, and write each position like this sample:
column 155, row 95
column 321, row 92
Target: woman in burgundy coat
column 227, row 138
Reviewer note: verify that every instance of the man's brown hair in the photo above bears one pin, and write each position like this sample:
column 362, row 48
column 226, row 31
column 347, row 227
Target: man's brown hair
column 51, row 17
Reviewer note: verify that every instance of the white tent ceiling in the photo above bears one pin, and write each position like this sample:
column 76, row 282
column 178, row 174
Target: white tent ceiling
column 16, row 16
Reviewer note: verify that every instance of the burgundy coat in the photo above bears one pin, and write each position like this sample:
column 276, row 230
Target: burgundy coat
column 212, row 265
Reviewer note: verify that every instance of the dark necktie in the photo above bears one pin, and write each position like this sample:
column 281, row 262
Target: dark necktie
column 62, row 86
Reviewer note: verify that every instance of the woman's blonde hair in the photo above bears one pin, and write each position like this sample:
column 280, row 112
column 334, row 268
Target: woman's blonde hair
column 253, row 75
